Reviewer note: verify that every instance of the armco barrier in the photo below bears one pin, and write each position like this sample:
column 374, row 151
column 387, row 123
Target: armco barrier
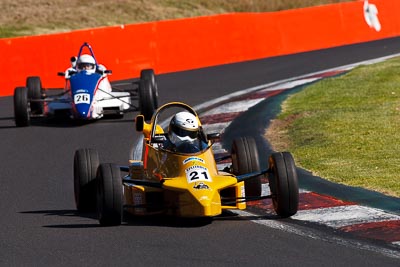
column 175, row 45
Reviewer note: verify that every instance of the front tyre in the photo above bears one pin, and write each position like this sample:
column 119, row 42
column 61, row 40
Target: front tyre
column 21, row 107
column 283, row 183
column 146, row 103
column 148, row 74
column 86, row 162
column 35, row 90
column 109, row 195
column 245, row 160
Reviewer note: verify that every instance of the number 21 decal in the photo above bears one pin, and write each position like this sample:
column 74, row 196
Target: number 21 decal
column 197, row 173
column 194, row 175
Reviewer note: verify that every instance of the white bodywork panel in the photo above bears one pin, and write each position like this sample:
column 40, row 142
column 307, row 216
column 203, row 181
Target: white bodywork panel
column 112, row 100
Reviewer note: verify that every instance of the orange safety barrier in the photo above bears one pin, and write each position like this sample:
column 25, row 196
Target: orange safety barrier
column 175, row 45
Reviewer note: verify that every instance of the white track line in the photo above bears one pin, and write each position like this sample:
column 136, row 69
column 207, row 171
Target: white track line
column 341, row 216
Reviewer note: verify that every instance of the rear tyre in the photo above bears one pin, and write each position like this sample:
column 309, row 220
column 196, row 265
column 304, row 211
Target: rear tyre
column 148, row 74
column 283, row 183
column 245, row 160
column 35, row 91
column 21, row 107
column 109, row 195
column 86, row 162
column 146, row 103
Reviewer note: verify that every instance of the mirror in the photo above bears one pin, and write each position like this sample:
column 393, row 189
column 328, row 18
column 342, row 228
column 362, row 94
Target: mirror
column 214, row 137
column 139, row 123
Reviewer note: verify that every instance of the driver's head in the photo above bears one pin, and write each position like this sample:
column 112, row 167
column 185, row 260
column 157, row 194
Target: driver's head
column 86, row 62
column 184, row 126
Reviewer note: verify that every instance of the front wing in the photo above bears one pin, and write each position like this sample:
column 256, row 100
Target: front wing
column 170, row 196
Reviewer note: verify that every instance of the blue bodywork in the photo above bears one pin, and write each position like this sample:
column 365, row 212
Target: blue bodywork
column 83, row 88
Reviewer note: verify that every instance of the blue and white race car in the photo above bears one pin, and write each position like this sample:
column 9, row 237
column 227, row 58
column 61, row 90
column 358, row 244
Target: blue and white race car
column 87, row 94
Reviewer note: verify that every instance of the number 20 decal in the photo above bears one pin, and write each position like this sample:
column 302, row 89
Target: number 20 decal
column 197, row 173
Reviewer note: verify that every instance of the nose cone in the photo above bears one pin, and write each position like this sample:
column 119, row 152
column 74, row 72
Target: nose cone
column 83, row 88
column 200, row 203
column 82, row 111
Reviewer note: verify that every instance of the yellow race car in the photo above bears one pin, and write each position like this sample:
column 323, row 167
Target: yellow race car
column 178, row 174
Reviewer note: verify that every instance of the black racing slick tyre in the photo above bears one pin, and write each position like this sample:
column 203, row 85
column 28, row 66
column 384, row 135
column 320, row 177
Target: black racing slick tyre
column 109, row 195
column 35, row 92
column 146, row 103
column 21, row 107
column 86, row 162
column 283, row 183
column 245, row 160
column 148, row 74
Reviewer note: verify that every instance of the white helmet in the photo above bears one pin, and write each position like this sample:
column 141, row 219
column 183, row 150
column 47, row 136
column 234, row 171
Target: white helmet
column 86, row 62
column 184, row 126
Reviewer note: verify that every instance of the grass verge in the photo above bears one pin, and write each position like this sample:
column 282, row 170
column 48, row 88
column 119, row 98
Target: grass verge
column 32, row 17
column 346, row 129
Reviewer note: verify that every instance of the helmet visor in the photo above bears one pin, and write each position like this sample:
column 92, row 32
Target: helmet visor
column 184, row 132
column 85, row 66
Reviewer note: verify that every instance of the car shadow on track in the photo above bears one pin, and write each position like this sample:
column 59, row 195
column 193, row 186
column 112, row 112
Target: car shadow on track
column 67, row 213
column 10, row 123
column 63, row 122
column 152, row 220
column 178, row 222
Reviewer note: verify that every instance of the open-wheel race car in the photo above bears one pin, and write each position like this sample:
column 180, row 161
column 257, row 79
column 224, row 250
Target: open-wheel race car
column 87, row 93
column 178, row 175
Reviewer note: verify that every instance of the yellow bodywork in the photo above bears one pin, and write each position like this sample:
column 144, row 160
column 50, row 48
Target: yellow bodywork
column 191, row 186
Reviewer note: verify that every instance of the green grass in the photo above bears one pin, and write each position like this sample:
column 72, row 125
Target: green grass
column 347, row 129
column 7, row 32
column 32, row 17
